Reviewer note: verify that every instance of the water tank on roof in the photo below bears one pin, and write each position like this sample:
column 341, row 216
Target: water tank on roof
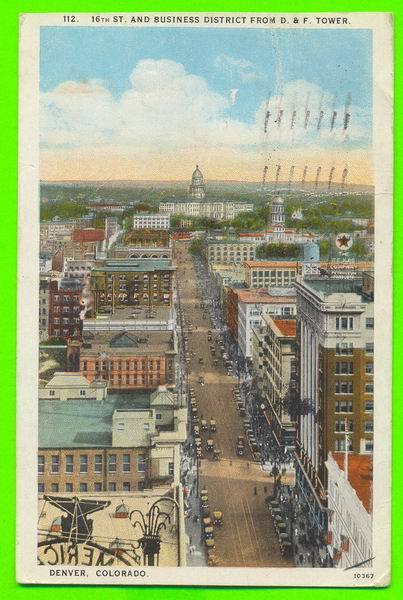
column 311, row 252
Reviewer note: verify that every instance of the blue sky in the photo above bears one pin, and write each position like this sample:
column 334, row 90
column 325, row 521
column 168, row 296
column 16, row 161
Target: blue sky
column 172, row 93
column 336, row 60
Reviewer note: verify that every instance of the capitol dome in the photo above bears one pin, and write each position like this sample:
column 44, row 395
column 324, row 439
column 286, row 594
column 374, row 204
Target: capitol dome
column 278, row 201
column 197, row 188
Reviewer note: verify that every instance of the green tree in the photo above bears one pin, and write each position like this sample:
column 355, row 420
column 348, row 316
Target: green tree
column 359, row 249
column 196, row 247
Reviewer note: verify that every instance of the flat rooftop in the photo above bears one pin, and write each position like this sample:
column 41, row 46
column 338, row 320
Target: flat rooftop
column 135, row 265
column 359, row 475
column 287, row 327
column 327, row 287
column 262, row 296
column 138, row 342
column 83, row 423
column 268, row 264
column 136, row 313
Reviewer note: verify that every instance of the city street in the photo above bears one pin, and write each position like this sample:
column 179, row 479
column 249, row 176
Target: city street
column 236, row 485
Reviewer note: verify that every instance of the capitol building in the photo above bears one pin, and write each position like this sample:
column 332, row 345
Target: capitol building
column 197, row 206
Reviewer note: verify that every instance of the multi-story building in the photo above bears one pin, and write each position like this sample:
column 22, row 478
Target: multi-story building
column 209, row 209
column 129, row 361
column 271, row 273
column 111, row 227
column 147, row 238
column 230, row 252
column 78, row 268
column 64, row 309
column 120, row 283
column 51, row 230
column 349, row 535
column 45, row 262
column 335, row 382
column 88, row 234
column 246, row 308
column 119, row 444
column 278, row 378
column 151, row 221
column 43, row 309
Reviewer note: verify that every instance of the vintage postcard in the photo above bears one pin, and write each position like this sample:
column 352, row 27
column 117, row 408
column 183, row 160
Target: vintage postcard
column 204, row 325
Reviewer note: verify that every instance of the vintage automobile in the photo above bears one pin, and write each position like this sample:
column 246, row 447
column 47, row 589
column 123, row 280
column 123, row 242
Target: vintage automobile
column 217, row 454
column 203, row 425
column 240, row 449
column 210, row 445
column 217, row 518
column 213, row 426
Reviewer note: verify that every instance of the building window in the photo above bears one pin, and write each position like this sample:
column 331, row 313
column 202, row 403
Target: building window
column 344, row 406
column 344, row 368
column 146, row 426
column 69, row 463
column 41, row 463
column 344, row 348
column 120, row 427
column 340, row 426
column 369, row 323
column 54, row 487
column 369, row 368
column 41, row 488
column 158, row 416
column 369, row 426
column 112, row 463
column 344, row 387
column 83, row 463
column 344, row 323
column 55, row 463
column 171, row 468
column 369, row 445
column 98, row 463
column 82, row 392
column 112, row 486
column 98, row 486
column 340, row 445
column 369, row 348
column 51, row 392
column 126, row 486
column 141, row 463
column 369, row 406
column 68, row 487
column 369, row 387
column 83, row 487
column 126, row 463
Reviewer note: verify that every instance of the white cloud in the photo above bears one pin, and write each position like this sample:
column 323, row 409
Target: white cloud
column 167, row 111
column 239, row 67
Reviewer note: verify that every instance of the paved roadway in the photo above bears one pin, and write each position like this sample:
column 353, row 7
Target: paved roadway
column 236, row 485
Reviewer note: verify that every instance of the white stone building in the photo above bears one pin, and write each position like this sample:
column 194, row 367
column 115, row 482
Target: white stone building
column 252, row 306
column 349, row 534
column 151, row 221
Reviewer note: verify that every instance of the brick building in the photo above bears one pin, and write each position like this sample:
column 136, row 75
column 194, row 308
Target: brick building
column 335, row 381
column 64, row 308
column 129, row 360
column 119, row 283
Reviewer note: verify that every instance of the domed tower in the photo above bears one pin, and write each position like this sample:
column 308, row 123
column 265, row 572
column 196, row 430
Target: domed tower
column 197, row 188
column 277, row 212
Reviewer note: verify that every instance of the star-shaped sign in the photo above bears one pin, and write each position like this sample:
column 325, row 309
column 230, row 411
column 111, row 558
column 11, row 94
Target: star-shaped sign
column 343, row 241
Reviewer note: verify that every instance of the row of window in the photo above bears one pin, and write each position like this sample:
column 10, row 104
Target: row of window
column 97, row 466
column 347, row 387
column 57, row 298
column 347, row 349
column 66, row 321
column 128, row 364
column 347, row 368
column 347, row 323
column 346, row 406
column 340, row 445
column 340, row 426
column 83, row 487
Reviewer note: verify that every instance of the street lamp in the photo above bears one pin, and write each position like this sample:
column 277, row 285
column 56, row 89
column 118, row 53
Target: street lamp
column 151, row 524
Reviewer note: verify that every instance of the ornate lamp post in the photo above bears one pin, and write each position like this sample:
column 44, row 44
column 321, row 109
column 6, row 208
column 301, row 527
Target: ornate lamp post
column 151, row 524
